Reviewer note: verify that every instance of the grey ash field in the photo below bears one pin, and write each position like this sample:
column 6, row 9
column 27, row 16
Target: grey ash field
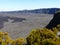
column 21, row 24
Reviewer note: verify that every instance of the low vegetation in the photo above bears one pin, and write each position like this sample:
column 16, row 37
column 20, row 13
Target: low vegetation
column 36, row 37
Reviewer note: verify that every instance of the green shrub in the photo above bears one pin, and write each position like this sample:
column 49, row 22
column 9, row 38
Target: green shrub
column 48, row 42
column 39, row 36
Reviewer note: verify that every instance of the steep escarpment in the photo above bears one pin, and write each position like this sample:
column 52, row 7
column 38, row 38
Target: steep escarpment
column 55, row 21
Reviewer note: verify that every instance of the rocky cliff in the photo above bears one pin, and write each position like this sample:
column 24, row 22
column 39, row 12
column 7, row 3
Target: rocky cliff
column 55, row 21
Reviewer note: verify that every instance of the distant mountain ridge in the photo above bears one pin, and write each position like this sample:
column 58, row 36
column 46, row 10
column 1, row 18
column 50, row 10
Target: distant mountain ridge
column 38, row 11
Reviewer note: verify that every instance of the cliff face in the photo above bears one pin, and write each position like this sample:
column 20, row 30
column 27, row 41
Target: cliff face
column 55, row 21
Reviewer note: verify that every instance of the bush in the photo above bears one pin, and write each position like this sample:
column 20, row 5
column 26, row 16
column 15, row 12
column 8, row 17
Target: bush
column 36, row 37
column 41, row 37
column 20, row 41
column 48, row 42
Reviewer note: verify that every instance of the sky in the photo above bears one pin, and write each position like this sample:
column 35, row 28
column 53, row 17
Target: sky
column 12, row 5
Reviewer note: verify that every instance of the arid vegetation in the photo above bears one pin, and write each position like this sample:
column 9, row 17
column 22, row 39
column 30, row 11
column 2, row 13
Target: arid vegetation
column 44, row 37
column 36, row 37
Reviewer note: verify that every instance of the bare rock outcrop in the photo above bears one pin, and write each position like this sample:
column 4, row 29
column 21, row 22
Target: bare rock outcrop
column 55, row 21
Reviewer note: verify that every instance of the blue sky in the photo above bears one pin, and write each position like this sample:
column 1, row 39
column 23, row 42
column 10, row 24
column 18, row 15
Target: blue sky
column 11, row 5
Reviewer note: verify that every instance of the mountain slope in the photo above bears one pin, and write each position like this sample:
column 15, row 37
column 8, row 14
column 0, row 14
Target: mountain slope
column 38, row 11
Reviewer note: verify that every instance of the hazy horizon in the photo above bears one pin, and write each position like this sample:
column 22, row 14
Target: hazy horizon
column 14, row 5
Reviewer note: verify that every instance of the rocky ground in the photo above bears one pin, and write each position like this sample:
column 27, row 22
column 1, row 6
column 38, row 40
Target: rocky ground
column 10, row 23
